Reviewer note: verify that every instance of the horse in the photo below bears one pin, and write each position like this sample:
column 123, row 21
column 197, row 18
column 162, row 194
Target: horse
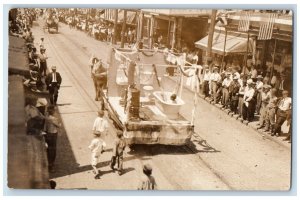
column 99, row 76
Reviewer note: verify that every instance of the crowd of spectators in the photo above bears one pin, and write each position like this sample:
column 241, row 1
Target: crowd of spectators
column 38, row 115
column 250, row 94
column 96, row 27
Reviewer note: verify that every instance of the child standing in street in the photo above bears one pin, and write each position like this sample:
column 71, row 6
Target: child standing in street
column 119, row 147
column 97, row 147
column 147, row 181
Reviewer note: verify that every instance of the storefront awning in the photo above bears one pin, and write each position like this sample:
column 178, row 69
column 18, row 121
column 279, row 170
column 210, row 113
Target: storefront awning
column 234, row 44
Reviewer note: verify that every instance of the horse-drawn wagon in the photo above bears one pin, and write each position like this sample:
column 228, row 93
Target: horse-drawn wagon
column 51, row 22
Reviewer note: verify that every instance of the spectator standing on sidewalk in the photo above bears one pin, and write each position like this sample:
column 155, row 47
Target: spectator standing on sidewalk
column 234, row 94
column 41, row 44
column 118, row 150
column 289, row 123
column 225, row 90
column 271, row 111
column 215, row 78
column 206, row 81
column 265, row 98
column 284, row 105
column 147, row 181
column 248, row 101
column 43, row 62
column 53, row 81
column 259, row 87
column 52, row 125
column 97, row 147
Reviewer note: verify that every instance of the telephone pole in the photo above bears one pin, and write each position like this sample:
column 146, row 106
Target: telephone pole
column 211, row 34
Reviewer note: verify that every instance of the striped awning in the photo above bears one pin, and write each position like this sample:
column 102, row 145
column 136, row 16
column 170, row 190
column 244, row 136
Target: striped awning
column 234, row 44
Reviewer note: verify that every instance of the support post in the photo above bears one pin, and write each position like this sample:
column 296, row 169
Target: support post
column 123, row 29
column 151, row 32
column 274, row 52
column 211, row 34
column 174, row 34
column 246, row 56
column 114, row 39
column 224, row 51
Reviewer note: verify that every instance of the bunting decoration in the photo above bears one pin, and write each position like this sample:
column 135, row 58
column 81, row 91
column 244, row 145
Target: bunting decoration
column 266, row 27
column 244, row 22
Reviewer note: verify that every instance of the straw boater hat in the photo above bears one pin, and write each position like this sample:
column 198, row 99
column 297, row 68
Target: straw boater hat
column 259, row 77
column 215, row 68
column 266, row 86
column 235, row 78
column 53, row 67
column 249, row 81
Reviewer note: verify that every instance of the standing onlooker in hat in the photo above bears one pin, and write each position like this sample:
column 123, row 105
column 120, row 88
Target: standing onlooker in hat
column 52, row 125
column 248, row 101
column 97, row 147
column 53, row 81
column 148, row 181
column 253, row 72
column 271, row 111
column 225, row 90
column 265, row 98
column 215, row 78
column 206, row 81
column 283, row 84
column 100, row 124
column 234, row 94
column 41, row 43
column 43, row 62
column 258, row 87
column 289, row 123
column 242, row 90
column 118, row 150
column 284, row 105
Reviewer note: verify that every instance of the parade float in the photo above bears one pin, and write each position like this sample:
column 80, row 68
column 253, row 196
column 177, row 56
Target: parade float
column 139, row 101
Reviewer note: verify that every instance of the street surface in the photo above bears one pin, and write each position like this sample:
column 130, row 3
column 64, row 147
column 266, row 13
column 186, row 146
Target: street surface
column 229, row 156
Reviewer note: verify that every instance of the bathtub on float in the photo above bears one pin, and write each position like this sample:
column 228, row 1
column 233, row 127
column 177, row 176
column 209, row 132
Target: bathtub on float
column 170, row 109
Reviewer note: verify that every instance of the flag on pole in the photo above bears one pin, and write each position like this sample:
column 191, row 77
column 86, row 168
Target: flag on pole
column 244, row 22
column 266, row 27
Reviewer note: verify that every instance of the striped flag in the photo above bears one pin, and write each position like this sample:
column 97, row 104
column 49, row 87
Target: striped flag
column 244, row 22
column 266, row 27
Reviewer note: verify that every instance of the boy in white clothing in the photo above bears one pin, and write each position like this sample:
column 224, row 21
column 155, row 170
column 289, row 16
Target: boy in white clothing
column 97, row 147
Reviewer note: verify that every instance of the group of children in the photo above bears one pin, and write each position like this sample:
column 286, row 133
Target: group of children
column 98, row 146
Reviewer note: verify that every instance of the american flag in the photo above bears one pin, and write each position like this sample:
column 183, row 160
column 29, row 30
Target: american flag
column 244, row 22
column 266, row 27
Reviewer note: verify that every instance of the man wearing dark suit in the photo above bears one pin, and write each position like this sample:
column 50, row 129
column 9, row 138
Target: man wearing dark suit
column 284, row 83
column 53, row 81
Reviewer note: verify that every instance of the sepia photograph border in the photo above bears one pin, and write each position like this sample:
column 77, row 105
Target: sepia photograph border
column 31, row 192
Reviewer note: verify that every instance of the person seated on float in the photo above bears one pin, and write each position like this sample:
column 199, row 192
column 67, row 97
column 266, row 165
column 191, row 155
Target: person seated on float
column 173, row 98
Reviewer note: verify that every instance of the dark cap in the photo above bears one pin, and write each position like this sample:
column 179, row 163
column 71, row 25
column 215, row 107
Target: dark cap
column 147, row 169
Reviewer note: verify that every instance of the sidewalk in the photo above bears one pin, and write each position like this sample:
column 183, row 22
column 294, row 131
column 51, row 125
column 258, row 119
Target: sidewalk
column 27, row 166
column 252, row 125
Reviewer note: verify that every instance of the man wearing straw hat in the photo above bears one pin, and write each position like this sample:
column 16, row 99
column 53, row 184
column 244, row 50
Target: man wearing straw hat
column 215, row 78
column 265, row 98
column 248, row 101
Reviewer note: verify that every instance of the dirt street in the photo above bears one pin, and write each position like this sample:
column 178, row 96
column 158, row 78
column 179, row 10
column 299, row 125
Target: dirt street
column 230, row 155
